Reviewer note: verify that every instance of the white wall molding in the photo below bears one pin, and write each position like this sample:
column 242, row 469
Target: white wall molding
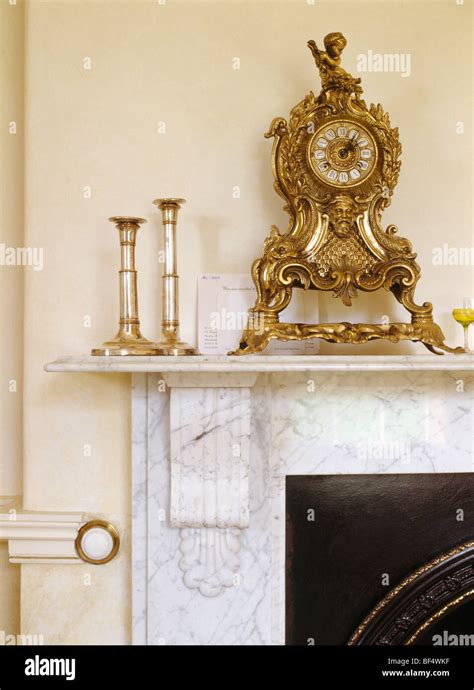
column 35, row 537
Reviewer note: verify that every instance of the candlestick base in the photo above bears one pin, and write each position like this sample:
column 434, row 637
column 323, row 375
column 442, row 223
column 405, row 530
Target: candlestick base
column 127, row 346
column 175, row 349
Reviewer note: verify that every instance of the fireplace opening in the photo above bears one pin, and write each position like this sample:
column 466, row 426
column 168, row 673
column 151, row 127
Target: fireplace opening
column 380, row 559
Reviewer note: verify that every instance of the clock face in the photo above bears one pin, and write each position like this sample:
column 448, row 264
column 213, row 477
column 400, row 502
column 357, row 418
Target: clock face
column 342, row 154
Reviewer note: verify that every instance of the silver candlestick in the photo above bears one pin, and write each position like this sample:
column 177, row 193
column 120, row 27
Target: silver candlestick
column 170, row 344
column 129, row 340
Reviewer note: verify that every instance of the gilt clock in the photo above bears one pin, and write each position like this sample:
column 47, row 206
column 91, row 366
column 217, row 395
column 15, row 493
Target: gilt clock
column 336, row 163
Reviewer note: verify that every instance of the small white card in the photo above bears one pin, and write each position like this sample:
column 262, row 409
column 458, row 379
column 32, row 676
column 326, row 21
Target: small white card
column 223, row 303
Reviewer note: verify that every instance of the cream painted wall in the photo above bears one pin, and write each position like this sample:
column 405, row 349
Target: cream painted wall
column 11, row 235
column 9, row 595
column 11, row 288
column 169, row 68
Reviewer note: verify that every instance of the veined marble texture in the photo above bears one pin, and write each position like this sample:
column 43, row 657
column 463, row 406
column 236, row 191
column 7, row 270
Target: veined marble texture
column 173, row 611
column 235, row 365
column 301, row 423
column 362, row 423
column 210, row 436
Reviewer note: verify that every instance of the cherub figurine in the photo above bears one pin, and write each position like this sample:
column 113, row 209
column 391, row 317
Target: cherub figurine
column 333, row 76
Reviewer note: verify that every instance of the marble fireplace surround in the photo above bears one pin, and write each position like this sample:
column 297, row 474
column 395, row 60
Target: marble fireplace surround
column 213, row 439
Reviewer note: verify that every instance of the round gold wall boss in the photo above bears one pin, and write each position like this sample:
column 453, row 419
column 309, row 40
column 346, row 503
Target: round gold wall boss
column 97, row 542
column 342, row 153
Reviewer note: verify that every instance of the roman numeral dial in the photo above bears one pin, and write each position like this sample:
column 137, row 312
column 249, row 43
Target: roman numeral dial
column 342, row 154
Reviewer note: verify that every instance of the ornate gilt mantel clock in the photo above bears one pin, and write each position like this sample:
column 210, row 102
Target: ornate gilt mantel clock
column 336, row 163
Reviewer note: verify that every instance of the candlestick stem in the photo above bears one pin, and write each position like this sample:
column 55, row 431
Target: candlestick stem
column 171, row 343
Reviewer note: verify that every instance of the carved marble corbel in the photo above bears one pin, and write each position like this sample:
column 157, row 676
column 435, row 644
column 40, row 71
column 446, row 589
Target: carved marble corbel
column 210, row 442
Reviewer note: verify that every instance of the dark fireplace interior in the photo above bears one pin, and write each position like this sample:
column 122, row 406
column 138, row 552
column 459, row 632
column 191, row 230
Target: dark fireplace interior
column 380, row 559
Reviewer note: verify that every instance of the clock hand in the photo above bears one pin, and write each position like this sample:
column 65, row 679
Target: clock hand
column 350, row 146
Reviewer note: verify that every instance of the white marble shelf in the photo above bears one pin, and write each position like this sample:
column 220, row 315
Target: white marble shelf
column 262, row 363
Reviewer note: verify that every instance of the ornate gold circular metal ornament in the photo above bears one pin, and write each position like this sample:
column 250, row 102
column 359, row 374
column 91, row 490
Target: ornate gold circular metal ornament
column 336, row 163
column 97, row 542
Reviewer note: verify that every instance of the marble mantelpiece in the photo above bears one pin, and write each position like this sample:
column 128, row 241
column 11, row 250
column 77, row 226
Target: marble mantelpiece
column 214, row 439
column 262, row 363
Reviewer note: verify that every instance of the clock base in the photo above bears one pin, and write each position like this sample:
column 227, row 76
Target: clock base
column 428, row 333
